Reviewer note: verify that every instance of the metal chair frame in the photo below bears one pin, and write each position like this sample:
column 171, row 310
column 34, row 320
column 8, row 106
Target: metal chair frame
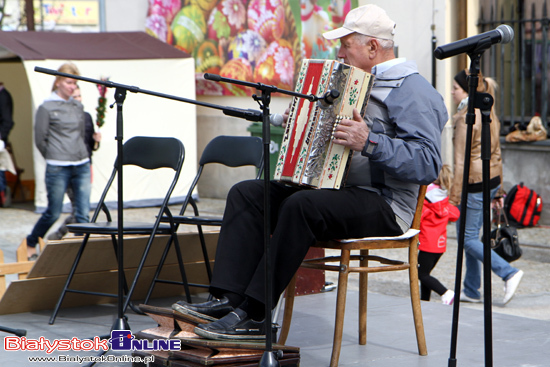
column 231, row 151
column 149, row 153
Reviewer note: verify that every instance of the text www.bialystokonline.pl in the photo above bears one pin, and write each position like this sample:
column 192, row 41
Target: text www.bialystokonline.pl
column 94, row 359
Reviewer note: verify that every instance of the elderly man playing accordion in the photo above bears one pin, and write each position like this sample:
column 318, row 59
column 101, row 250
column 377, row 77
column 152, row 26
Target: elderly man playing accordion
column 396, row 148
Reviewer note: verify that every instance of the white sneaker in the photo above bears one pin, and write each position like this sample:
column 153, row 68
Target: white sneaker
column 448, row 297
column 511, row 285
column 465, row 298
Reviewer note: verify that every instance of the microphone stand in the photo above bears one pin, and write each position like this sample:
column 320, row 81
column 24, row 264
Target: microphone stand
column 121, row 322
column 483, row 102
column 269, row 358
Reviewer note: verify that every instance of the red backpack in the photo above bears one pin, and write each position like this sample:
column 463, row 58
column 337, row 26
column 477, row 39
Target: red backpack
column 523, row 206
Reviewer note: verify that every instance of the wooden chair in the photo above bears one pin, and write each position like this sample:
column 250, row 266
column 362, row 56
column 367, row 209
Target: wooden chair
column 363, row 245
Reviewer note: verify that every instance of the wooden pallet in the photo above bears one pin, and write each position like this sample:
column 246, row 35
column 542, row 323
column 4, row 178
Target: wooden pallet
column 21, row 267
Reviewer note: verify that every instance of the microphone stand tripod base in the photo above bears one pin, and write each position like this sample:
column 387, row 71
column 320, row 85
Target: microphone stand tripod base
column 121, row 324
column 17, row 332
column 269, row 359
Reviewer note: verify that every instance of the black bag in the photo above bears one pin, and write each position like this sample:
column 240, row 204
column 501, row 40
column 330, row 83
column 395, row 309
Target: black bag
column 505, row 241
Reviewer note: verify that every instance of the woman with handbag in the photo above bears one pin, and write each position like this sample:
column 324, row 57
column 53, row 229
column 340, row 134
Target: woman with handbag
column 473, row 246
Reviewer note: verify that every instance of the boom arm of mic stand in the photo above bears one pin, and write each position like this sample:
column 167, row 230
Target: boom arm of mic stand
column 251, row 115
column 260, row 86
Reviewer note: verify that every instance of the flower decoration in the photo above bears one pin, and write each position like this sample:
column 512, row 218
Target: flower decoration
column 101, row 103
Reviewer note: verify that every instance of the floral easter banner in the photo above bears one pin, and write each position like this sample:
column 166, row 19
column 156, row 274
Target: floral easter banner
column 259, row 41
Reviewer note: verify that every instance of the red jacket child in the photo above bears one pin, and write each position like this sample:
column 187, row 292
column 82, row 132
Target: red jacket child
column 436, row 214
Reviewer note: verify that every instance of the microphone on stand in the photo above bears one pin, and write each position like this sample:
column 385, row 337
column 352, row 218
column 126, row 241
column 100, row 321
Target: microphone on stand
column 328, row 99
column 249, row 114
column 503, row 34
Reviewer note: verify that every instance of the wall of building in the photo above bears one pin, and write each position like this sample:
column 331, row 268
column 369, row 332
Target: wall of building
column 418, row 21
column 124, row 15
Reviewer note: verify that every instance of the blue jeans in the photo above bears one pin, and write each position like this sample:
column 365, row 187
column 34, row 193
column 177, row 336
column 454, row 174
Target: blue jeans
column 58, row 178
column 473, row 247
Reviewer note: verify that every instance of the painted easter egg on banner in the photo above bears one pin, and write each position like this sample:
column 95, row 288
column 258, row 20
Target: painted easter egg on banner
column 155, row 25
column 207, row 58
column 226, row 19
column 247, row 45
column 239, row 69
column 205, row 5
column 188, row 28
column 165, row 8
column 276, row 65
column 267, row 17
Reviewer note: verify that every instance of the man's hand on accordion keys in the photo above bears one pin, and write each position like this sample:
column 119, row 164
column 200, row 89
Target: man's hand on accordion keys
column 352, row 133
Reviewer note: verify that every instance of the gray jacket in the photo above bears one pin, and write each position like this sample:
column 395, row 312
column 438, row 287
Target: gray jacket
column 406, row 116
column 59, row 130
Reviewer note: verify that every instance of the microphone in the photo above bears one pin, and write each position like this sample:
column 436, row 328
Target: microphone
column 213, row 77
column 328, row 99
column 503, row 34
column 276, row 119
column 249, row 114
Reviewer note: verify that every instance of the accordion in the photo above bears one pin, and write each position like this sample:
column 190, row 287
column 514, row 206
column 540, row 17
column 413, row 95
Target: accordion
column 308, row 157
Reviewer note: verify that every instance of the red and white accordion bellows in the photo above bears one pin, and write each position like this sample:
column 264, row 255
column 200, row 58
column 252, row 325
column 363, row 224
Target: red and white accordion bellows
column 308, row 157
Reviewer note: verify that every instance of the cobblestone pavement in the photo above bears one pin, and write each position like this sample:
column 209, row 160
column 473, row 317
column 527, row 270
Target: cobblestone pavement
column 532, row 298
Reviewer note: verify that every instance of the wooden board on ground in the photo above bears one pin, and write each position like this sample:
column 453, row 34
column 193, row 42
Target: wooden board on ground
column 99, row 255
column 98, row 271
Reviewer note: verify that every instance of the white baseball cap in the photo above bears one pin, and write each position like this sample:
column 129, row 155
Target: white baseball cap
column 370, row 20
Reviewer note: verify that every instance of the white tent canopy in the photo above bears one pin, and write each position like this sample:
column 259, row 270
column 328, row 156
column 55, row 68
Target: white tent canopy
column 133, row 59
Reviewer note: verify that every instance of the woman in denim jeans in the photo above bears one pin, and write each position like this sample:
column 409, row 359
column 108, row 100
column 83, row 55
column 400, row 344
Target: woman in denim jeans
column 59, row 136
column 473, row 246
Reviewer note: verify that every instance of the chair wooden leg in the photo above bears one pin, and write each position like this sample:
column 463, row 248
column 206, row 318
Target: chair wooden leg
column 363, row 291
column 415, row 299
column 340, row 307
column 289, row 306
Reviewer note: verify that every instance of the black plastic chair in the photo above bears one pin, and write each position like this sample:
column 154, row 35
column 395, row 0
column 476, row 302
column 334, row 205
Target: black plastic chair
column 231, row 151
column 148, row 153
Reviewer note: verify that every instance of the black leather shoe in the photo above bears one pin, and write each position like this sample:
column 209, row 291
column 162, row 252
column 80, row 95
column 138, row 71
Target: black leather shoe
column 211, row 310
column 235, row 326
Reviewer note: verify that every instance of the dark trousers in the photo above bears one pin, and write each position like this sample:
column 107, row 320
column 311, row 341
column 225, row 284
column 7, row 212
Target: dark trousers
column 426, row 263
column 299, row 217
